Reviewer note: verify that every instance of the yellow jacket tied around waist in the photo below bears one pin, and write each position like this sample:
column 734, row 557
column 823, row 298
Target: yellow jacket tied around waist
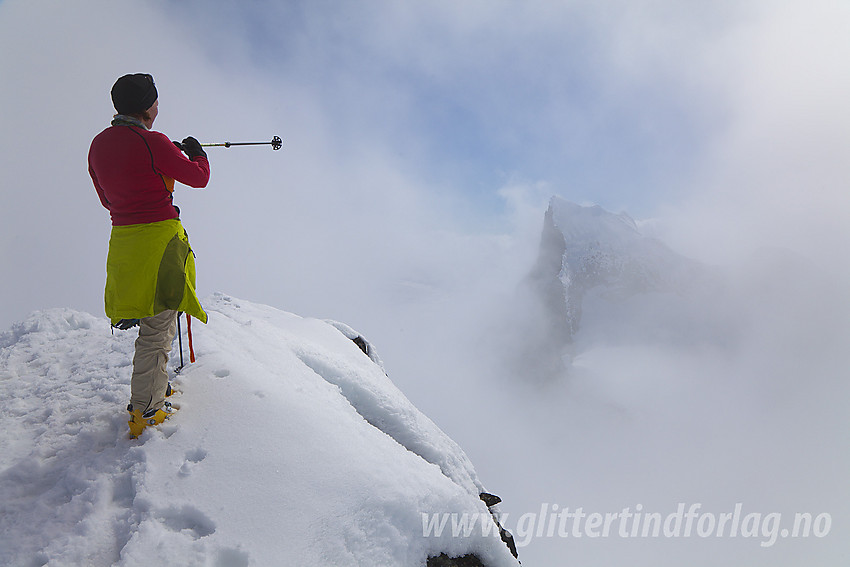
column 150, row 268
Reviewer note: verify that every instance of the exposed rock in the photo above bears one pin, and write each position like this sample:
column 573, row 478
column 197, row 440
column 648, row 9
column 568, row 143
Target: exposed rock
column 491, row 500
column 443, row 560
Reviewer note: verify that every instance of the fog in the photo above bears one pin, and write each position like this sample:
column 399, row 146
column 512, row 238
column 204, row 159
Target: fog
column 421, row 145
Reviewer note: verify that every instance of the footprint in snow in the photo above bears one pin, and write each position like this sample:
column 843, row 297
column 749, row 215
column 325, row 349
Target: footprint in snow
column 193, row 457
column 187, row 519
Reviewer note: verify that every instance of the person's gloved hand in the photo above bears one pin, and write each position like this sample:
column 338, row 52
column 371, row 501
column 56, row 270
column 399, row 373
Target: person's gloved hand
column 192, row 148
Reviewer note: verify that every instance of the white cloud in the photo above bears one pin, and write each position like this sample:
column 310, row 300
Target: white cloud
column 58, row 62
column 773, row 175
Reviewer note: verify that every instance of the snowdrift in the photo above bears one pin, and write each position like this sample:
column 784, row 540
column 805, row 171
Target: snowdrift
column 291, row 447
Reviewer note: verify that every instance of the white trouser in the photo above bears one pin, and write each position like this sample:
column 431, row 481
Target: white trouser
column 150, row 377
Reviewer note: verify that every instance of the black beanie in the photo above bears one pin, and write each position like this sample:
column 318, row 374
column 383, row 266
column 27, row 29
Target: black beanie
column 134, row 94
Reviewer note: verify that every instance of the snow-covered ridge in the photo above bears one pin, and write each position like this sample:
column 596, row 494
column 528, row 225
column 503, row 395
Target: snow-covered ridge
column 290, row 447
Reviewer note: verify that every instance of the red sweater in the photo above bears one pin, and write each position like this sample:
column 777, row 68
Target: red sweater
column 134, row 170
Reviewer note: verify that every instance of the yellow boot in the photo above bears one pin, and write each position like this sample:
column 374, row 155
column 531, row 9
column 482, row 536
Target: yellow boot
column 138, row 420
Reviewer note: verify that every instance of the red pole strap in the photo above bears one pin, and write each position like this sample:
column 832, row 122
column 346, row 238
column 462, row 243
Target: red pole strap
column 189, row 330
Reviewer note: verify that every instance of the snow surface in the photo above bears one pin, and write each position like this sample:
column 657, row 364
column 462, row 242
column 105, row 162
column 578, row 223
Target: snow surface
column 290, row 447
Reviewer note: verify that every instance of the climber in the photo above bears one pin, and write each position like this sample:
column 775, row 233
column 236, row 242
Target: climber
column 150, row 268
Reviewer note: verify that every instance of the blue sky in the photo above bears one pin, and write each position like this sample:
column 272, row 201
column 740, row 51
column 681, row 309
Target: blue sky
column 474, row 93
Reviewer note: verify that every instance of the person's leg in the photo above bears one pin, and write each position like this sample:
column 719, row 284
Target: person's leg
column 150, row 376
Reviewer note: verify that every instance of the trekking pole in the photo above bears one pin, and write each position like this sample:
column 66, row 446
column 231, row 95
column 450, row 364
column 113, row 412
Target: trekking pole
column 276, row 144
column 179, row 342
column 189, row 332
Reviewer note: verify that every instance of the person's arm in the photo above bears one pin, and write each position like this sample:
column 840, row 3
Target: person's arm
column 170, row 161
column 98, row 188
